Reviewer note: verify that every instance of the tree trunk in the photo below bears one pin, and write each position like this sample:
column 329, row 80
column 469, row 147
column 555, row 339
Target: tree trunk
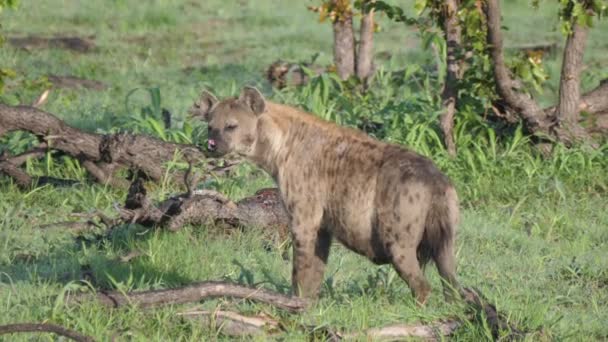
column 562, row 121
column 344, row 44
column 452, row 33
column 365, row 55
column 568, row 109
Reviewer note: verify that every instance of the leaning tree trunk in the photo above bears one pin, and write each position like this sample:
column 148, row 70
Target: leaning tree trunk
column 365, row 54
column 561, row 122
column 452, row 32
column 344, row 41
column 535, row 118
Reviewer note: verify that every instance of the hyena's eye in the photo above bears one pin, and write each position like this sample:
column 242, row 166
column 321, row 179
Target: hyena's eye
column 230, row 127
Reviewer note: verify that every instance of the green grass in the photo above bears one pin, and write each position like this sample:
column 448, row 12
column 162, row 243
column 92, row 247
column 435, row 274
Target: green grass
column 534, row 232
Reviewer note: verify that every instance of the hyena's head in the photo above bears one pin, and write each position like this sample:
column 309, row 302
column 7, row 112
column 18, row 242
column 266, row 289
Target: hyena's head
column 231, row 122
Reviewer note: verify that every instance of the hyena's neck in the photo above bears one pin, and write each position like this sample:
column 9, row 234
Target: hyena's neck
column 272, row 131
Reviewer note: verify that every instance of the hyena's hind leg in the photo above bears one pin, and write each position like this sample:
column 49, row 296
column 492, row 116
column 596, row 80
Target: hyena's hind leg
column 442, row 223
column 446, row 266
column 407, row 266
column 402, row 247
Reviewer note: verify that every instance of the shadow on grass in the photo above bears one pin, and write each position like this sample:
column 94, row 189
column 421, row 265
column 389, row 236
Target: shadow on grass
column 95, row 259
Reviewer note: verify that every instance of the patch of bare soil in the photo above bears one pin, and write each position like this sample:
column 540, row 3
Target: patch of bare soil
column 73, row 43
column 71, row 82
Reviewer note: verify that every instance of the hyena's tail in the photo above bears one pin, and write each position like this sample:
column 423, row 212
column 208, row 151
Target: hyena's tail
column 440, row 228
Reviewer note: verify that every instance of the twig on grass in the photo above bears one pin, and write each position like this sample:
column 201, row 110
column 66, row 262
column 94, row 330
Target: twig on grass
column 44, row 327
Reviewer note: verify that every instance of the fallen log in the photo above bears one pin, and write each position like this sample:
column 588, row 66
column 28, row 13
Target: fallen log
column 196, row 207
column 102, row 155
column 44, row 327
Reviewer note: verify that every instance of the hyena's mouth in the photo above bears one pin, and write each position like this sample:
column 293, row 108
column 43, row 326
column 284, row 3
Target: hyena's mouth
column 211, row 145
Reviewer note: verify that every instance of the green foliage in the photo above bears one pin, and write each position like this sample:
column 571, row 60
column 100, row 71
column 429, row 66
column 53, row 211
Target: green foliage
column 580, row 11
column 149, row 119
column 8, row 4
column 5, row 72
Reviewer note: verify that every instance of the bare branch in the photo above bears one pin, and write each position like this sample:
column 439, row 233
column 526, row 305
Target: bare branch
column 191, row 293
column 135, row 151
column 44, row 327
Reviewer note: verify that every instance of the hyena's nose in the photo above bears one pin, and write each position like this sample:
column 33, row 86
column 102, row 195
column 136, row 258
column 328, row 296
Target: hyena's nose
column 211, row 145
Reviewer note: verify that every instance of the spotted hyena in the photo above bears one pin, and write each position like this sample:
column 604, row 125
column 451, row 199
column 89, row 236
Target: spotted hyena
column 380, row 200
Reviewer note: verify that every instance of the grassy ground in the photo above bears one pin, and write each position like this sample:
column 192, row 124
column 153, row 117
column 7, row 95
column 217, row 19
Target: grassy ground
column 534, row 233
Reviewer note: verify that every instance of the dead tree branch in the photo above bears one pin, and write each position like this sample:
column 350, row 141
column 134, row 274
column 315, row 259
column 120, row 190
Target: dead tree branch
column 100, row 154
column 191, row 293
column 44, row 327
column 234, row 324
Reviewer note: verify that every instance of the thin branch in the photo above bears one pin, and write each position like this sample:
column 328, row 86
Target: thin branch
column 44, row 327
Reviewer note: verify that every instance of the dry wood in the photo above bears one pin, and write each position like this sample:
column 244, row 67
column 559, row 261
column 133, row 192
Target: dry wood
column 100, row 154
column 428, row 332
column 44, row 327
column 232, row 323
column 191, row 293
column 263, row 209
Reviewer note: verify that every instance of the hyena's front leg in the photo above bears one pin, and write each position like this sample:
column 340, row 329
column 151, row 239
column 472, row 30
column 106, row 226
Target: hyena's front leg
column 311, row 245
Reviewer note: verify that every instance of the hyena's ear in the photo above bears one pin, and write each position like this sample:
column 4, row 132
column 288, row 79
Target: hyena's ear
column 253, row 99
column 203, row 106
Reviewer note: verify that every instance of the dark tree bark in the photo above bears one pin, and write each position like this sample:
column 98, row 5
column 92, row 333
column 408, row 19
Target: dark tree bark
column 344, row 42
column 365, row 54
column 569, row 90
column 568, row 109
column 100, row 154
column 535, row 118
column 452, row 32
